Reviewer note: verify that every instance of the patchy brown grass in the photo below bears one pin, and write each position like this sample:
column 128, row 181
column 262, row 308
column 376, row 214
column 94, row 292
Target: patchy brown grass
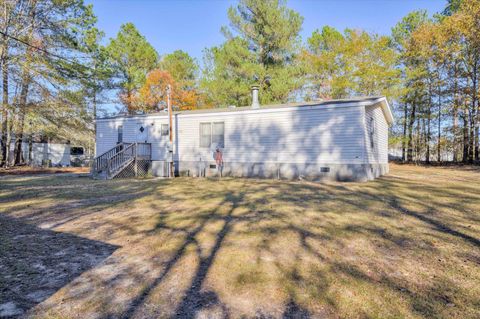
column 28, row 170
column 404, row 246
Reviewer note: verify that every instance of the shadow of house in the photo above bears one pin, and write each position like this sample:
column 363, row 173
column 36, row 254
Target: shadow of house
column 35, row 263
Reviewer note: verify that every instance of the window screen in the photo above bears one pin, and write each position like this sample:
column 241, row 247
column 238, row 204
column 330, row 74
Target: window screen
column 205, row 134
column 164, row 129
column 120, row 134
column 218, row 134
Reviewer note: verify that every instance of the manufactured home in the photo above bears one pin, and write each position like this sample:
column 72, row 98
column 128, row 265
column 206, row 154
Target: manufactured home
column 48, row 153
column 334, row 139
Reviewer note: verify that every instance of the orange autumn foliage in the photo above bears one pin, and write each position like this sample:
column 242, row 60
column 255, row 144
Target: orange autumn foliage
column 152, row 96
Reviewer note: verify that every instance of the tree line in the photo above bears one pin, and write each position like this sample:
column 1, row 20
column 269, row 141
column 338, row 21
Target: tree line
column 59, row 72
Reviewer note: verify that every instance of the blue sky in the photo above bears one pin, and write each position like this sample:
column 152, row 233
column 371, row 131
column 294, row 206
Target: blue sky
column 192, row 25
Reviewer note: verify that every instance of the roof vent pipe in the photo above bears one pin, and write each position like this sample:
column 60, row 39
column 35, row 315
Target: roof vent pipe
column 255, row 103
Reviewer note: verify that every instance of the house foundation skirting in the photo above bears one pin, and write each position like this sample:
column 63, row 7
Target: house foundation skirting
column 314, row 172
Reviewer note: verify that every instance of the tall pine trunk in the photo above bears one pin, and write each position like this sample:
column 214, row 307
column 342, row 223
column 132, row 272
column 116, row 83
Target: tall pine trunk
column 427, row 129
column 471, row 139
column 456, row 104
column 428, row 135
column 21, row 121
column 466, row 142
column 473, row 115
column 404, row 137
column 25, row 86
column 411, row 122
column 5, row 132
column 439, row 137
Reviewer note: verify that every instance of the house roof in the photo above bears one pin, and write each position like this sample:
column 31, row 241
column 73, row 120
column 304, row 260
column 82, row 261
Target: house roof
column 365, row 101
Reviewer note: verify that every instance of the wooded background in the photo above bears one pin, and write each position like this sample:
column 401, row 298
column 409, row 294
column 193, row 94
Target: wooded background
column 59, row 73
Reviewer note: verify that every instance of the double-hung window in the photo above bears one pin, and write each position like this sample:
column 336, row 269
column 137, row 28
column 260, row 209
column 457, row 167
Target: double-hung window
column 212, row 134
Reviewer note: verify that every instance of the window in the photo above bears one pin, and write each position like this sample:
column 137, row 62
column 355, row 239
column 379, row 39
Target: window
column 164, row 129
column 120, row 134
column 372, row 132
column 218, row 134
column 212, row 134
column 76, row 151
column 205, row 134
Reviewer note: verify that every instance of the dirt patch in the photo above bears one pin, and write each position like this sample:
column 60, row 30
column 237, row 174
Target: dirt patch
column 35, row 263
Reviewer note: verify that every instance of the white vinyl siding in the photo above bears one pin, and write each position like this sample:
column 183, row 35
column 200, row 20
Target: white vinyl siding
column 315, row 135
column 107, row 135
column 299, row 136
column 376, row 135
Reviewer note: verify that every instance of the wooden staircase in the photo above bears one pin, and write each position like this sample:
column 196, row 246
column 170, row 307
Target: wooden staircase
column 114, row 161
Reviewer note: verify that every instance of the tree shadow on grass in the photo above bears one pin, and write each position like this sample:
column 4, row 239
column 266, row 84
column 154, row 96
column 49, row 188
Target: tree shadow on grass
column 221, row 221
column 35, row 263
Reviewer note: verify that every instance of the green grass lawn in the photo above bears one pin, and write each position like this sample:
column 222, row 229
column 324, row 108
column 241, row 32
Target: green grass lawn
column 406, row 245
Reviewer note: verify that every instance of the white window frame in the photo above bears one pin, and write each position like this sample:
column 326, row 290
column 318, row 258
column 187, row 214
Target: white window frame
column 210, row 125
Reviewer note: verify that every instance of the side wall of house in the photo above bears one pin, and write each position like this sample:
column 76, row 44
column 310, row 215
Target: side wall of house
column 56, row 153
column 376, row 137
column 107, row 135
column 307, row 142
column 304, row 135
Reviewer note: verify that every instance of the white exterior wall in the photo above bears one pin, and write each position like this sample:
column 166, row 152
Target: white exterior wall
column 57, row 153
column 302, row 135
column 107, row 134
column 376, row 135
column 295, row 135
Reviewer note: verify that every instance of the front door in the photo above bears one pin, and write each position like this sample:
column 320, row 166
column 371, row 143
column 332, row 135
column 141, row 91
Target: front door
column 142, row 133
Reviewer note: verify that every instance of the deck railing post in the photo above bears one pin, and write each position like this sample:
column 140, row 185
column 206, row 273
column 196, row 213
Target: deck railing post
column 135, row 159
column 108, row 168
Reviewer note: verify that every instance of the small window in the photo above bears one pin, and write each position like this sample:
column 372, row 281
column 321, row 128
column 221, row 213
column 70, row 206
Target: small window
column 372, row 132
column 120, row 134
column 205, row 134
column 164, row 129
column 76, row 151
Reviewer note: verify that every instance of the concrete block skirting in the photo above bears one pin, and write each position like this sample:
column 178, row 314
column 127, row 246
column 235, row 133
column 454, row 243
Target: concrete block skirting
column 314, row 172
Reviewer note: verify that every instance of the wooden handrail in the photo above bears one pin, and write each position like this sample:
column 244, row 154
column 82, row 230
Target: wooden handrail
column 116, row 158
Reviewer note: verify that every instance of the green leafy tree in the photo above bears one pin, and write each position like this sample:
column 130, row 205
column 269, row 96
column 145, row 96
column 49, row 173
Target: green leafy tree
column 228, row 73
column 132, row 57
column 413, row 88
column 262, row 44
column 182, row 67
column 354, row 63
column 98, row 71
column 325, row 66
column 452, row 7
column 45, row 60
